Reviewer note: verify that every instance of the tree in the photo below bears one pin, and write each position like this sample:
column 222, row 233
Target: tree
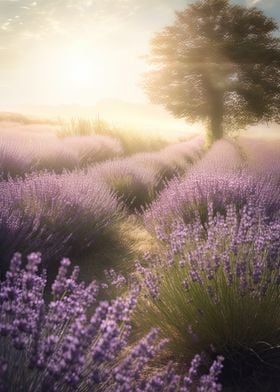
column 219, row 63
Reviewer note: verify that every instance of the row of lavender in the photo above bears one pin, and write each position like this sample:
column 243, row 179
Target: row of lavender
column 211, row 290
column 24, row 150
column 62, row 214
column 213, row 283
column 228, row 174
column 54, row 346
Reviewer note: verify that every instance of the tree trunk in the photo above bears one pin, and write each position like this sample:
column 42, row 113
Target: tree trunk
column 216, row 113
column 215, row 98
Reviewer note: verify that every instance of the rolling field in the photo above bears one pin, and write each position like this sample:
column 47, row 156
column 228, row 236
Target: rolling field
column 174, row 278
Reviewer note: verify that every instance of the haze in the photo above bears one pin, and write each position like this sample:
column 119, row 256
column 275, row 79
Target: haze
column 66, row 56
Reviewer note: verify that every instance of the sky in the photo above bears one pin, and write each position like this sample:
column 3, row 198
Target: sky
column 57, row 52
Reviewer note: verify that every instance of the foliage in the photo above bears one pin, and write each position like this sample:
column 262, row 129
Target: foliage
column 173, row 160
column 22, row 152
column 218, row 62
column 135, row 185
column 215, row 288
column 136, row 179
column 58, row 347
column 83, row 127
column 58, row 214
column 221, row 177
column 94, row 148
column 132, row 141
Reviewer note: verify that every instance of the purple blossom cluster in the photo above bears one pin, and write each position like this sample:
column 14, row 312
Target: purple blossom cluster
column 216, row 270
column 136, row 179
column 58, row 346
column 92, row 149
column 26, row 151
column 215, row 280
column 133, row 184
column 220, row 178
column 55, row 214
column 205, row 250
column 189, row 197
column 66, row 214
column 173, row 159
column 262, row 156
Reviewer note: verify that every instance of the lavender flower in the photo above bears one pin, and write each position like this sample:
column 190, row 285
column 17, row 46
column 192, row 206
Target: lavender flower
column 56, row 347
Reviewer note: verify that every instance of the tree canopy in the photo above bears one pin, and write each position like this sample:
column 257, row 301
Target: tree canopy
column 219, row 63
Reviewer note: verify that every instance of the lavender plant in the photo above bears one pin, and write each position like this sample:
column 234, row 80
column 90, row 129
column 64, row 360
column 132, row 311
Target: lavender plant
column 57, row 346
column 133, row 184
column 137, row 179
column 92, row 149
column 221, row 177
column 262, row 155
column 189, row 197
column 215, row 288
column 172, row 160
column 59, row 214
column 12, row 161
column 25, row 151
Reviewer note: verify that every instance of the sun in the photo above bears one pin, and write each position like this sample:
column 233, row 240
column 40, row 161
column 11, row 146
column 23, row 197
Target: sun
column 78, row 69
column 78, row 66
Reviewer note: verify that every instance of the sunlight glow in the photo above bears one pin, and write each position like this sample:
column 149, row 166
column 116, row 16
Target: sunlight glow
column 78, row 69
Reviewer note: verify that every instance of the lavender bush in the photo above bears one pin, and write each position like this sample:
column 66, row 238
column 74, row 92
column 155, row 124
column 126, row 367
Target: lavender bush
column 132, row 183
column 190, row 197
column 52, row 157
column 56, row 346
column 12, row 161
column 91, row 149
column 26, row 151
column 137, row 179
column 59, row 214
column 32, row 151
column 221, row 177
column 171, row 160
column 215, row 288
column 262, row 156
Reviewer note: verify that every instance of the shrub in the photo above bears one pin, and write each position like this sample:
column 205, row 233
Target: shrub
column 133, row 141
column 224, row 156
column 59, row 214
column 215, row 288
column 12, row 161
column 23, row 152
column 132, row 183
column 220, row 177
column 83, row 127
column 91, row 149
column 262, row 156
column 59, row 347
column 191, row 196
column 53, row 157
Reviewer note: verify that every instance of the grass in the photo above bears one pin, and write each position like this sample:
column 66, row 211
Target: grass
column 132, row 141
column 212, row 315
column 118, row 248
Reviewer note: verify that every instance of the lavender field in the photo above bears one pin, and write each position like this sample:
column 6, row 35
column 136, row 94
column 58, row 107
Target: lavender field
column 174, row 280
column 140, row 196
